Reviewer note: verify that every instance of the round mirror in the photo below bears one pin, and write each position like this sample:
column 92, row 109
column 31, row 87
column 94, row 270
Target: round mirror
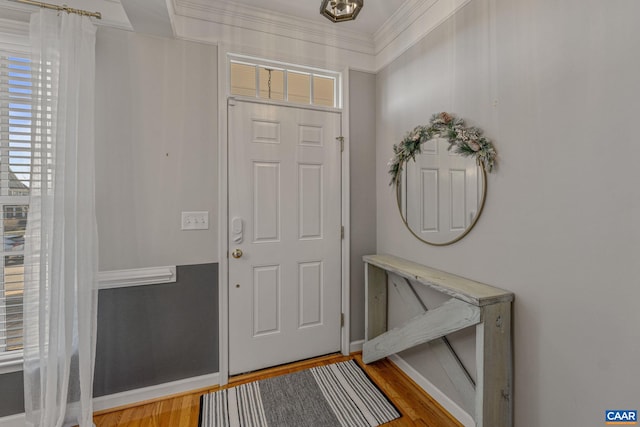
column 439, row 172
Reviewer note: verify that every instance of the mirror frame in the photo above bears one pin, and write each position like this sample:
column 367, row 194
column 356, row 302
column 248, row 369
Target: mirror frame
column 463, row 140
column 466, row 230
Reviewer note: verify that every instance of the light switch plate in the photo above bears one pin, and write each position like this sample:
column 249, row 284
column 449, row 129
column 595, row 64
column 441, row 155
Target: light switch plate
column 195, row 220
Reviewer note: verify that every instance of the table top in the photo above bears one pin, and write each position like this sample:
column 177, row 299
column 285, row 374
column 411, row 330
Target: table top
column 473, row 292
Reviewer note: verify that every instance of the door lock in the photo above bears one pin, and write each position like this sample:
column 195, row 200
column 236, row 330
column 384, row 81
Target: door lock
column 237, row 253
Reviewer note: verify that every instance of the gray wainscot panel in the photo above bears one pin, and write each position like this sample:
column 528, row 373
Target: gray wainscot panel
column 149, row 335
column 11, row 394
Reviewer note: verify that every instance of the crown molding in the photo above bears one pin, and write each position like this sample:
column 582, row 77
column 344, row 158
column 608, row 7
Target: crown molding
column 233, row 24
column 424, row 17
column 400, row 21
column 223, row 21
column 231, row 14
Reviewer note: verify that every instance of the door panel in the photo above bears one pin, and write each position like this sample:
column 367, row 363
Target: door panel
column 266, row 203
column 266, row 294
column 285, row 190
column 430, row 202
column 311, row 286
column 310, row 201
column 447, row 187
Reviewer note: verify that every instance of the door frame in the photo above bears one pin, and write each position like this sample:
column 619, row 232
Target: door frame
column 223, row 208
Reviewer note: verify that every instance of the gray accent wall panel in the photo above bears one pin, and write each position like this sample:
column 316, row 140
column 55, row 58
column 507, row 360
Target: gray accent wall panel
column 11, row 394
column 149, row 335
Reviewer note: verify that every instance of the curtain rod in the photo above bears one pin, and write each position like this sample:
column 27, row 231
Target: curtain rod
column 61, row 8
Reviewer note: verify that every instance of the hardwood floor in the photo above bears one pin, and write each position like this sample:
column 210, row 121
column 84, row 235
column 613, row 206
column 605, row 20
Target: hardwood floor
column 417, row 408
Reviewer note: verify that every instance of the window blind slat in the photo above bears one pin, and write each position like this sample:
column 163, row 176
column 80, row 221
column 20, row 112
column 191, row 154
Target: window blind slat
column 14, row 330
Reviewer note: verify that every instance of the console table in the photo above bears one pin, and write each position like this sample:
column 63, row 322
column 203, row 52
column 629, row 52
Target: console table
column 471, row 304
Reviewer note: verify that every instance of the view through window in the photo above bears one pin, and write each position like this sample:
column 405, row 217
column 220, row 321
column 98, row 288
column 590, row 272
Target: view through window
column 300, row 86
column 15, row 174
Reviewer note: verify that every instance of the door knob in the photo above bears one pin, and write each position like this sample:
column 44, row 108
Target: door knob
column 237, row 253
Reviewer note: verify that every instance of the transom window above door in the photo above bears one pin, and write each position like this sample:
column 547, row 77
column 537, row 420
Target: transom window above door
column 280, row 82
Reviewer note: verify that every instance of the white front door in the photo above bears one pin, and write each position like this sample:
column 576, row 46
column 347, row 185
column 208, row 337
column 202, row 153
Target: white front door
column 284, row 234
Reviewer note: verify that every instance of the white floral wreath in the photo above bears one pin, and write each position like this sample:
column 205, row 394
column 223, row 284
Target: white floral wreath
column 466, row 141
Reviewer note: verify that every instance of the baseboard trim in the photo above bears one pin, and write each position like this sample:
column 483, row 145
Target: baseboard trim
column 131, row 397
column 433, row 391
column 17, row 420
column 140, row 395
column 355, row 346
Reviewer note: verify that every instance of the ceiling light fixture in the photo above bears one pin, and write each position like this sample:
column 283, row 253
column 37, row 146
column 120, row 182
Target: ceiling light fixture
column 341, row 10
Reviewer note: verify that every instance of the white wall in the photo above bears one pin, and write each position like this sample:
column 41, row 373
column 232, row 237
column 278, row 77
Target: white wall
column 555, row 85
column 362, row 142
column 156, row 145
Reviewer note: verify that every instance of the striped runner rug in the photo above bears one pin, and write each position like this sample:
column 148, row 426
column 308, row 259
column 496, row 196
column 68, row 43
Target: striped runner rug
column 335, row 395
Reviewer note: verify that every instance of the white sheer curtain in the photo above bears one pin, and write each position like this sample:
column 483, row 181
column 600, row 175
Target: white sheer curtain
column 61, row 246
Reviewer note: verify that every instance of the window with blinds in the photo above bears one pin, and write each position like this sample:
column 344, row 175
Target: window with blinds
column 15, row 175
